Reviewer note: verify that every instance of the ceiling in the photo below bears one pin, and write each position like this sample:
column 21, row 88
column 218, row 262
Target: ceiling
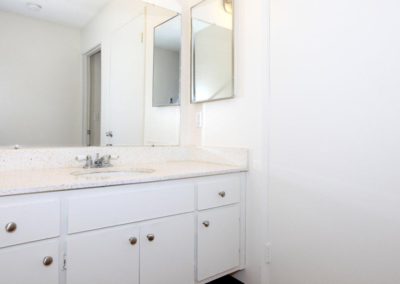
column 74, row 13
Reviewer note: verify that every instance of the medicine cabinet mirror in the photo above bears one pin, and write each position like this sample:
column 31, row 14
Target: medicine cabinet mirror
column 212, row 51
column 166, row 63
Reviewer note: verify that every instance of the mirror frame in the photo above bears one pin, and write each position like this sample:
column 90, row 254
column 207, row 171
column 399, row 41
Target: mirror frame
column 192, row 59
column 180, row 62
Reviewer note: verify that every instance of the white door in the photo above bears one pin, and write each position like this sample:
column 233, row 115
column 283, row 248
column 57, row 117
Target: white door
column 125, row 101
column 108, row 256
column 35, row 263
column 218, row 241
column 167, row 251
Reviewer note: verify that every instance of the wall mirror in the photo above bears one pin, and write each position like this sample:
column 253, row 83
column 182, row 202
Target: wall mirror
column 166, row 63
column 212, row 51
column 80, row 73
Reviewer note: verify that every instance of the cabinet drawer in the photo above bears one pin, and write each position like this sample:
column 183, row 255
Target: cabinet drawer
column 35, row 263
column 128, row 205
column 22, row 222
column 218, row 191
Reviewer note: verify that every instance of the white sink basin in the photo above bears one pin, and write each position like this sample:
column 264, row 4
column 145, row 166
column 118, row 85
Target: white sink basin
column 110, row 173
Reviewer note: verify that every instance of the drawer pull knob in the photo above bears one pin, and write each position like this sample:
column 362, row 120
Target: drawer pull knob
column 222, row 194
column 206, row 224
column 47, row 261
column 133, row 241
column 150, row 237
column 11, row 227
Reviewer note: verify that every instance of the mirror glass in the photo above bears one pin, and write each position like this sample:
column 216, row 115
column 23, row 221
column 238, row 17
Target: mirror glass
column 166, row 63
column 212, row 51
column 80, row 73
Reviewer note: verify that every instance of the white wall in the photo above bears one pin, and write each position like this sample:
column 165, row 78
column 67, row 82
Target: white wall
column 241, row 123
column 334, row 163
column 40, row 83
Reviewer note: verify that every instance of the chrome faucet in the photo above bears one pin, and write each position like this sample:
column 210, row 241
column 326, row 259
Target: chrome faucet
column 98, row 162
column 102, row 162
column 87, row 159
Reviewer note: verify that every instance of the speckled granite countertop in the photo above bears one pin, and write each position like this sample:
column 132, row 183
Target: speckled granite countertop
column 14, row 182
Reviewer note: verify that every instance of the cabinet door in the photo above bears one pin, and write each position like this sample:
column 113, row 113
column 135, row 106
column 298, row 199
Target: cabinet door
column 167, row 251
column 35, row 263
column 108, row 256
column 218, row 241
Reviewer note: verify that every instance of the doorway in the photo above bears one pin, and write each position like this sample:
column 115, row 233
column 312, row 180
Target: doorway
column 94, row 99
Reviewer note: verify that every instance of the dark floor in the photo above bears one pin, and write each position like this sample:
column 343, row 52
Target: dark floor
column 226, row 280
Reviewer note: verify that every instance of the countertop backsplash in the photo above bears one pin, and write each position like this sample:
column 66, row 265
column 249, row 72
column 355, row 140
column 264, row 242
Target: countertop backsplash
column 54, row 158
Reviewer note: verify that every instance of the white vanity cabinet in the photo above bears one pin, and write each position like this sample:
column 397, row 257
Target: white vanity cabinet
column 34, row 263
column 167, row 250
column 104, row 256
column 218, row 245
column 171, row 232
column 29, row 249
column 111, row 255
column 218, row 225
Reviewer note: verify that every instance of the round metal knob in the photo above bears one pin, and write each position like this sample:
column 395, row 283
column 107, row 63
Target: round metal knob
column 222, row 194
column 150, row 237
column 133, row 241
column 11, row 227
column 206, row 224
column 47, row 261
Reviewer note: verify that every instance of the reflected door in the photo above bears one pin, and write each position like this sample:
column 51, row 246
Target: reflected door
column 94, row 128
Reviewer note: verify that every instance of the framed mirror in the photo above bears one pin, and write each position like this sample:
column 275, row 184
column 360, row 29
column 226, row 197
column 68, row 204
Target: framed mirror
column 212, row 51
column 166, row 63
column 75, row 73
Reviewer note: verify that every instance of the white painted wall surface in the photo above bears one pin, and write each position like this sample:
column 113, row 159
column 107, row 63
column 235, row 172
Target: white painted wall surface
column 334, row 156
column 40, row 83
column 241, row 123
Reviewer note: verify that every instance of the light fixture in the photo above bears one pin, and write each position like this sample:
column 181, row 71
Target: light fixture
column 34, row 6
column 228, row 6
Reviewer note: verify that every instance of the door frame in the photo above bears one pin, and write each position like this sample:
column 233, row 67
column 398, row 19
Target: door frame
column 86, row 93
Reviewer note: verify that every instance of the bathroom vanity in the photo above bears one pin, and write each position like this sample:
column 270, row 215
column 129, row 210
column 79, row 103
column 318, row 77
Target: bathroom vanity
column 181, row 223
column 163, row 213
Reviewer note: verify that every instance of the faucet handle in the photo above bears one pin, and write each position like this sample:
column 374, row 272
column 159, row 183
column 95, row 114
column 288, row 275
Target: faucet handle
column 107, row 160
column 87, row 159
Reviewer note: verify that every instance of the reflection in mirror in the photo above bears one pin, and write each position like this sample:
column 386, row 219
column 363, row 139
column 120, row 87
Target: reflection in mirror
column 84, row 76
column 166, row 66
column 212, row 50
